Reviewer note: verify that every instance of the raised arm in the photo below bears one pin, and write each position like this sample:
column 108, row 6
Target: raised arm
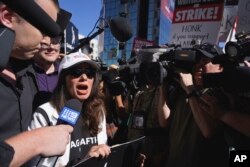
column 46, row 141
column 205, row 122
column 236, row 120
column 163, row 109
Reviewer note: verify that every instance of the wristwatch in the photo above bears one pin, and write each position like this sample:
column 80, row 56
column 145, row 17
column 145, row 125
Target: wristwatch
column 194, row 93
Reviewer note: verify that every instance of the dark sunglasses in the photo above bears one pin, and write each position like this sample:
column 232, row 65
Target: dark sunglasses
column 90, row 73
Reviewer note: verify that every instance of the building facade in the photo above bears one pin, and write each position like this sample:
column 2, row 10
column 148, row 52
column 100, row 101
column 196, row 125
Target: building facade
column 92, row 49
column 149, row 19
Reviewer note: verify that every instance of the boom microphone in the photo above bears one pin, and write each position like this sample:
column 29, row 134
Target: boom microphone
column 86, row 40
column 120, row 29
column 35, row 15
column 69, row 116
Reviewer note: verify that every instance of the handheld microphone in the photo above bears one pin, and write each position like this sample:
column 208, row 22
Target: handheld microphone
column 70, row 112
column 68, row 116
column 35, row 15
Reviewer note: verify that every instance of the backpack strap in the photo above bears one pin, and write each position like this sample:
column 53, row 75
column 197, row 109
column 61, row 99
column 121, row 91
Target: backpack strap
column 45, row 115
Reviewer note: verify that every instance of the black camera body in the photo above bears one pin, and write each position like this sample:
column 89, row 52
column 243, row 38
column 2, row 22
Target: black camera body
column 240, row 49
column 175, row 59
column 235, row 52
column 164, row 64
column 234, row 78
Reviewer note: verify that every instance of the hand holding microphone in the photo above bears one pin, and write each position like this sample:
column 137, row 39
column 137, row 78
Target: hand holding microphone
column 55, row 146
column 68, row 116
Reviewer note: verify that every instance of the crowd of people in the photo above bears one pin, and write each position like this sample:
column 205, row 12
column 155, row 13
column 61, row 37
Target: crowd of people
column 184, row 123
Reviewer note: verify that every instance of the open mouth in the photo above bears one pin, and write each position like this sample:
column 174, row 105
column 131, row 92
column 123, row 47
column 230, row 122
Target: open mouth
column 82, row 89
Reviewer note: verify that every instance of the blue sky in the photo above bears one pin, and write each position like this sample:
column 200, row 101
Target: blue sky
column 85, row 13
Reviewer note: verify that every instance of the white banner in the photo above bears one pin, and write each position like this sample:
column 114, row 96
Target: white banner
column 243, row 16
column 227, row 23
column 197, row 21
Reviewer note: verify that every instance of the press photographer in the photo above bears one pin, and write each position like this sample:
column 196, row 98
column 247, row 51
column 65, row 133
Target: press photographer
column 235, row 79
column 188, row 118
column 155, row 110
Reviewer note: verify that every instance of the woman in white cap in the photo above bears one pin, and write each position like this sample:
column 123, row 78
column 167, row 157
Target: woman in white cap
column 78, row 79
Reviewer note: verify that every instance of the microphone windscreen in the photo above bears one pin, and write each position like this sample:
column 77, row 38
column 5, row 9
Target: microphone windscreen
column 70, row 112
column 35, row 15
column 120, row 28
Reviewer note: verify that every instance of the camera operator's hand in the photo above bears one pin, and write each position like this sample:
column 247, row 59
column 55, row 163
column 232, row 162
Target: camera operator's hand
column 217, row 102
column 211, row 105
column 186, row 82
column 198, row 77
column 204, row 66
column 237, row 120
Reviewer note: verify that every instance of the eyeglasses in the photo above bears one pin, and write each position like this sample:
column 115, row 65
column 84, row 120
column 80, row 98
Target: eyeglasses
column 76, row 73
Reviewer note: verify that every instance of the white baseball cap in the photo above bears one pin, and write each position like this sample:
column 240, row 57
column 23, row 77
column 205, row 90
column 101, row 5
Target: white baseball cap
column 76, row 58
column 113, row 66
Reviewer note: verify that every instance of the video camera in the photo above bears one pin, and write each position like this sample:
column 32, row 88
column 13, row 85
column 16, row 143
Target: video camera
column 235, row 52
column 234, row 77
column 157, row 63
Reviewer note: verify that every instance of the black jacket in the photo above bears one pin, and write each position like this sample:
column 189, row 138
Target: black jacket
column 6, row 154
column 16, row 102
